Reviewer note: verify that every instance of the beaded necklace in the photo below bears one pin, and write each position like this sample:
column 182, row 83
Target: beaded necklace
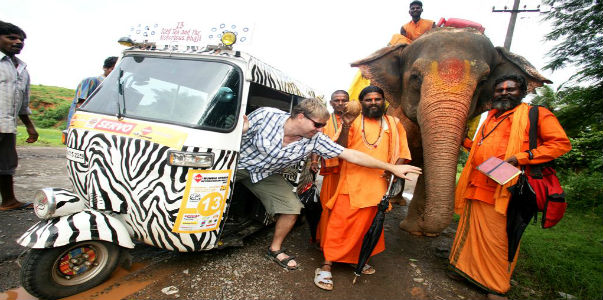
column 334, row 119
column 374, row 144
column 484, row 135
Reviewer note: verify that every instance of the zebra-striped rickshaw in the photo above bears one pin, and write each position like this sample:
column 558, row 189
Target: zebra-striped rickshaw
column 151, row 156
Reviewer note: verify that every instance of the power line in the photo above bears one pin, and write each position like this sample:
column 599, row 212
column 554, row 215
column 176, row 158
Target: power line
column 513, row 19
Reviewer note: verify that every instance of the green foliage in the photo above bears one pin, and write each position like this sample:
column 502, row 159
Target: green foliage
column 577, row 24
column 586, row 153
column 581, row 109
column 583, row 191
column 566, row 258
column 50, row 105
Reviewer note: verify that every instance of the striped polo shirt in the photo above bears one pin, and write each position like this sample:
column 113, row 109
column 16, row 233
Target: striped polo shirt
column 262, row 151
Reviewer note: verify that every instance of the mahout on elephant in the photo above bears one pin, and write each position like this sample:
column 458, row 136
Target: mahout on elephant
column 435, row 85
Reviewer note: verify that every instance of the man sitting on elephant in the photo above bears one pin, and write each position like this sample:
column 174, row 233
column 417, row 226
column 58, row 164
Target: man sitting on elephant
column 479, row 251
column 415, row 28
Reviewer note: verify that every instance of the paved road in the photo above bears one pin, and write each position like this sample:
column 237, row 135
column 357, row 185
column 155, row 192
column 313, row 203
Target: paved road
column 410, row 268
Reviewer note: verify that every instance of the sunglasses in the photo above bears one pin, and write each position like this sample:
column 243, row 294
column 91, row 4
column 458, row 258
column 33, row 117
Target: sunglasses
column 316, row 124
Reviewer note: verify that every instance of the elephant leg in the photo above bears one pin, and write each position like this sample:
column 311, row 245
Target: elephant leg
column 411, row 222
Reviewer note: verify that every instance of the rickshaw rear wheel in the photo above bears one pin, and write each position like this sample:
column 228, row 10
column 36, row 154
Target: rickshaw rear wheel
column 64, row 271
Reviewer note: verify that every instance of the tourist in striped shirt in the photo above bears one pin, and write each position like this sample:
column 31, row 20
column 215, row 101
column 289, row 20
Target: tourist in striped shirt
column 274, row 140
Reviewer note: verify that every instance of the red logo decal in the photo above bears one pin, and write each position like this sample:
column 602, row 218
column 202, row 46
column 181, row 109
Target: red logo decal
column 115, row 126
column 147, row 130
column 198, row 177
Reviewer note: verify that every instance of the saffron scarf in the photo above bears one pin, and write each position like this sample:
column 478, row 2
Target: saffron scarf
column 501, row 194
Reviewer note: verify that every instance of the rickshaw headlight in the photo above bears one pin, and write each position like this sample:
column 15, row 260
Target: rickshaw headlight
column 228, row 38
column 44, row 203
column 189, row 159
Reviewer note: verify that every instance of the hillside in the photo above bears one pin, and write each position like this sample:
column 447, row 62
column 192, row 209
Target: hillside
column 50, row 105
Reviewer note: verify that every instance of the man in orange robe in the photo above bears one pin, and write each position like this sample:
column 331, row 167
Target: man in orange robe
column 416, row 27
column 359, row 191
column 479, row 251
column 330, row 167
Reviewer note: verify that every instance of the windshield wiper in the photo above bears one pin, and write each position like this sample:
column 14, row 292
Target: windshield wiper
column 122, row 96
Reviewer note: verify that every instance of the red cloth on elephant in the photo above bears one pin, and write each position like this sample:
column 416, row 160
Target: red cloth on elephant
column 353, row 207
column 480, row 247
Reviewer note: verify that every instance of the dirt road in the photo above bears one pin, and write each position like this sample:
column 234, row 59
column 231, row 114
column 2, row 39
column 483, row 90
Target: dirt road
column 410, row 268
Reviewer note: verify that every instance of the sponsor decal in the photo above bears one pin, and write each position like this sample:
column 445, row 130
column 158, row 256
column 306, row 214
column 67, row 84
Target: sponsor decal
column 76, row 155
column 204, row 201
column 156, row 133
column 147, row 130
column 115, row 126
column 91, row 123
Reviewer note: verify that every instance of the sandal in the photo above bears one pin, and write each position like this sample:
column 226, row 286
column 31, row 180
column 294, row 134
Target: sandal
column 283, row 262
column 366, row 270
column 323, row 279
column 17, row 206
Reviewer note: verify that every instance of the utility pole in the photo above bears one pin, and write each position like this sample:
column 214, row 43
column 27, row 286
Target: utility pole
column 514, row 13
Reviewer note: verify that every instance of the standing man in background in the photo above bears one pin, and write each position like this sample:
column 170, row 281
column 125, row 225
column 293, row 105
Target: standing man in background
column 88, row 85
column 329, row 168
column 14, row 100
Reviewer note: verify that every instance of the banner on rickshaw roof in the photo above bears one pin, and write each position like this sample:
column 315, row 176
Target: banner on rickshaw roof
column 182, row 34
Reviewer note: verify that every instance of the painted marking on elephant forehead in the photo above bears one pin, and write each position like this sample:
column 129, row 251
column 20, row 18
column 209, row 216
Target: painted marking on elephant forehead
column 451, row 72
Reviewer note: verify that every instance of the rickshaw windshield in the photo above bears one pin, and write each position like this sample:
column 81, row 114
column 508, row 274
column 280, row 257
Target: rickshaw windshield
column 193, row 93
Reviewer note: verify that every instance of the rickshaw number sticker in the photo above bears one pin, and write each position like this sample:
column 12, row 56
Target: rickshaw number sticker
column 203, row 202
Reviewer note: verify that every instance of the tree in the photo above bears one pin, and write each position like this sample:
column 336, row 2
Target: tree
column 577, row 25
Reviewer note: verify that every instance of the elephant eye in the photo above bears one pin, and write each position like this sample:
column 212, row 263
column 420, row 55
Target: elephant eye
column 415, row 81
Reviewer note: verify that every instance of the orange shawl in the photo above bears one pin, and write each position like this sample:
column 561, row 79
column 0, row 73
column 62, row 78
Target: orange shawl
column 501, row 194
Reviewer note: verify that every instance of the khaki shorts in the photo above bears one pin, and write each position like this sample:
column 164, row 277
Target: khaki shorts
column 275, row 193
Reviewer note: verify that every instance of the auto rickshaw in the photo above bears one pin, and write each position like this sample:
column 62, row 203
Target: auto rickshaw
column 152, row 156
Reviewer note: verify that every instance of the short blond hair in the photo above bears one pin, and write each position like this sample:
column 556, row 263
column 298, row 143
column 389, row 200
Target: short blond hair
column 311, row 107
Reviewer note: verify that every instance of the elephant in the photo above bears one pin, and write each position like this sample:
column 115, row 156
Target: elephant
column 435, row 85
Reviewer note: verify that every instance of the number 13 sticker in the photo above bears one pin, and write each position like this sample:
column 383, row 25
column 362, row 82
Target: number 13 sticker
column 203, row 201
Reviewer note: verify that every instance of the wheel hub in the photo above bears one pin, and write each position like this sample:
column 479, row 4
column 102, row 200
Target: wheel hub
column 76, row 262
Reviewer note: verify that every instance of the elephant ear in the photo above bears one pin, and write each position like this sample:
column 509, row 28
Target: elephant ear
column 533, row 78
column 384, row 69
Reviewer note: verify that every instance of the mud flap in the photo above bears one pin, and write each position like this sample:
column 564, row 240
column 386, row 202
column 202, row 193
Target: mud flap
column 82, row 226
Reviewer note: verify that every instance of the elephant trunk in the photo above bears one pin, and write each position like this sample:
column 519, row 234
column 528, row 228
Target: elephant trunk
column 442, row 115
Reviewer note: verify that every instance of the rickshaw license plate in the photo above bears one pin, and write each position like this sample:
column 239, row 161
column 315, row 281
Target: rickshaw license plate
column 203, row 201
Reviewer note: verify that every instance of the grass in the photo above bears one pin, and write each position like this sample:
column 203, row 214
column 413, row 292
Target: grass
column 567, row 258
column 47, row 137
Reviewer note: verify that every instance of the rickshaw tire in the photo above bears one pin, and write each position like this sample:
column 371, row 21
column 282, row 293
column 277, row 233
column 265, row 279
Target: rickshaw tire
column 37, row 267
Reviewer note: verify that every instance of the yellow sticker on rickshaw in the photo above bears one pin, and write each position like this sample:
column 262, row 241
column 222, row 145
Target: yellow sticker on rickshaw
column 203, row 201
column 153, row 132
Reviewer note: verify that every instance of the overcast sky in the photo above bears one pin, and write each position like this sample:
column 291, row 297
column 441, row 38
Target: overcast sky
column 313, row 41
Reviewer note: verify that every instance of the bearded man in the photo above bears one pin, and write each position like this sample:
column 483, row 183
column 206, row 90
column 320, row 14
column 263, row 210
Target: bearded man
column 479, row 251
column 360, row 189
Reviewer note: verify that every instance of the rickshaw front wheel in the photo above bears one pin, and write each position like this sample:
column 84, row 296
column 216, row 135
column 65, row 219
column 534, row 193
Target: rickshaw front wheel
column 64, row 271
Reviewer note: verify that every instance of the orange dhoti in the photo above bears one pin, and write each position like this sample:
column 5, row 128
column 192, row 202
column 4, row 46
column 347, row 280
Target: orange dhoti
column 480, row 247
column 329, row 187
column 346, row 229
